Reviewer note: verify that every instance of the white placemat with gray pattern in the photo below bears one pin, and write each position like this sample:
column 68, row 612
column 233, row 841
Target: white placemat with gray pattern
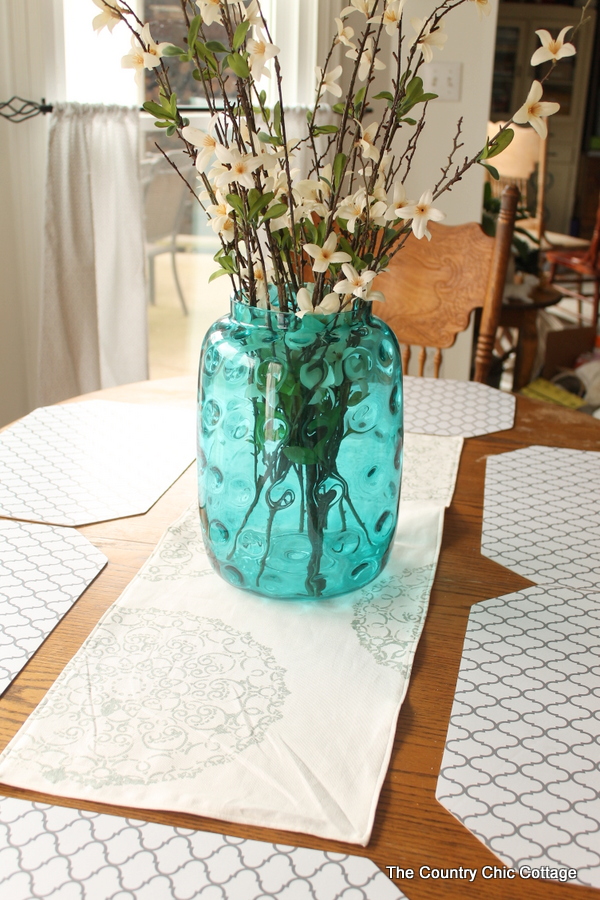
column 92, row 461
column 520, row 768
column 193, row 696
column 43, row 571
column 55, row 853
column 445, row 407
column 541, row 514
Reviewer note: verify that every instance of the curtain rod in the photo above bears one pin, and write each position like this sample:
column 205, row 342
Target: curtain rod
column 19, row 110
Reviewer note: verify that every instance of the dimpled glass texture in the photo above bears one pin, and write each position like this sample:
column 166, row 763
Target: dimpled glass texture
column 299, row 449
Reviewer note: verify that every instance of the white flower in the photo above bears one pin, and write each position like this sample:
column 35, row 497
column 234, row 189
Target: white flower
column 421, row 213
column 219, row 212
column 352, row 208
column 210, row 11
column 326, row 255
column 535, row 112
column 363, row 6
column 368, row 148
column 345, row 34
column 329, row 304
column 227, row 230
column 241, row 167
column 355, row 283
column 392, row 16
column 109, row 17
column 366, row 59
column 139, row 58
column 372, row 296
column 427, row 39
column 251, row 13
column 278, row 182
column 552, row 49
column 260, row 283
column 261, row 51
column 326, row 180
column 377, row 211
column 400, row 200
column 206, row 143
column 310, row 194
column 329, row 80
column 484, row 7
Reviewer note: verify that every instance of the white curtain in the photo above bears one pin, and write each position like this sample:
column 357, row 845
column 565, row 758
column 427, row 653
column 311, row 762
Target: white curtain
column 93, row 316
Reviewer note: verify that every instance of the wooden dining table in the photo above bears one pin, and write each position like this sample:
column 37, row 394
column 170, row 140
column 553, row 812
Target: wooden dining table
column 411, row 828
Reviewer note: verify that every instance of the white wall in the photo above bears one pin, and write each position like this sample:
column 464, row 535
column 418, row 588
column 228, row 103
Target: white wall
column 30, row 31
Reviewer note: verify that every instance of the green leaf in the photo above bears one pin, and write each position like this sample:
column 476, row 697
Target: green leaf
column 208, row 57
column 277, row 118
column 408, row 121
column 425, row 98
column 493, row 172
column 278, row 210
column 414, row 86
column 384, row 95
column 326, row 129
column 171, row 130
column 236, row 201
column 193, row 30
column 259, row 203
column 172, row 50
column 339, row 108
column 360, row 96
column 238, row 65
column 240, row 34
column 217, row 274
column 339, row 165
column 265, row 138
column 158, row 111
column 497, row 145
column 216, row 47
column 301, row 456
column 312, row 231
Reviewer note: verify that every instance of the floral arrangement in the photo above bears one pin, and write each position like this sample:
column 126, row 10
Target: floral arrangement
column 314, row 244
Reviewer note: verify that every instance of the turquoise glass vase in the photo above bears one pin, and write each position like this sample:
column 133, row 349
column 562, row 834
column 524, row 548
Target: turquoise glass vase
column 299, row 449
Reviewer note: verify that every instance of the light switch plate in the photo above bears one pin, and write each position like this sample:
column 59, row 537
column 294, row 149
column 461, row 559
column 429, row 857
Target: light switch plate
column 443, row 79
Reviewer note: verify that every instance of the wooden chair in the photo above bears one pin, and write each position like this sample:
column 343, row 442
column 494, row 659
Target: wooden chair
column 581, row 265
column 432, row 287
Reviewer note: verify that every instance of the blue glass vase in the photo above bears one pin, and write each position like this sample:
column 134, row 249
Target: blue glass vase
column 299, row 449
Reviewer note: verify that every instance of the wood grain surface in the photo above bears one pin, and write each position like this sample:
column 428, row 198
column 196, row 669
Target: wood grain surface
column 411, row 828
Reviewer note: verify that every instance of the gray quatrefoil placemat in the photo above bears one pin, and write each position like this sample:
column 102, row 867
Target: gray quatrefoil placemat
column 542, row 514
column 520, row 768
column 92, row 461
column 521, row 763
column 463, row 408
column 43, row 571
column 58, row 853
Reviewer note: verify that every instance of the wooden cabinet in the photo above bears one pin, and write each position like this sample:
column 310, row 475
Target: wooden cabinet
column 516, row 42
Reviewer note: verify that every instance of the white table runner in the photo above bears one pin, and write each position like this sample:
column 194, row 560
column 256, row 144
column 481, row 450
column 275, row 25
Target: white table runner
column 91, row 461
column 43, row 571
column 58, row 853
column 193, row 696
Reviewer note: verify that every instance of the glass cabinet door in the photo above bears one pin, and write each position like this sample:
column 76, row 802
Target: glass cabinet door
column 506, row 69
